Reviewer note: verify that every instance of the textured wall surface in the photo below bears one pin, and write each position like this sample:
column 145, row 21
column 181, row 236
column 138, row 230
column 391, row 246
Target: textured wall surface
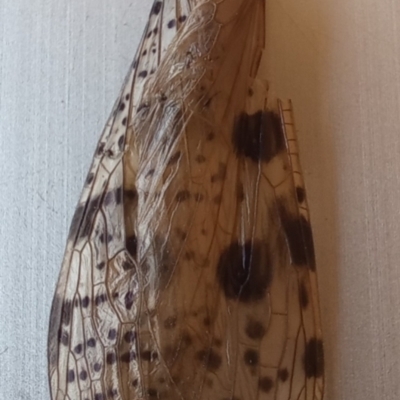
column 61, row 66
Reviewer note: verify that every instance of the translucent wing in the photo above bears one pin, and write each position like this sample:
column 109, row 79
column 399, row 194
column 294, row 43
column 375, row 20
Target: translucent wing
column 191, row 271
column 97, row 232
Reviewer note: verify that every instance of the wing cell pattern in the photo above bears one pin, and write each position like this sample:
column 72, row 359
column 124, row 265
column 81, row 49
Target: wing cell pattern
column 189, row 271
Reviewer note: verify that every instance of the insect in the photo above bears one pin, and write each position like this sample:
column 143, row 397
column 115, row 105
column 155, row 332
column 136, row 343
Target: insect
column 189, row 271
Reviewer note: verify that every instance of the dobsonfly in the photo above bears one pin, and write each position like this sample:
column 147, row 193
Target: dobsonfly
column 189, row 271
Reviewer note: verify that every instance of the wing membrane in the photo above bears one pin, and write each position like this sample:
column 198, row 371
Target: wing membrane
column 190, row 270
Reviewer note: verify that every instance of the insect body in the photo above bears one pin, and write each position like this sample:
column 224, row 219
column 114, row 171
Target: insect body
column 189, row 271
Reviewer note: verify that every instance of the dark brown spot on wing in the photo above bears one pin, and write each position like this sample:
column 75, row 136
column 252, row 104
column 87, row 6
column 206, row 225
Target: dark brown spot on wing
column 298, row 237
column 266, row 384
column 85, row 302
column 182, row 235
column 130, row 195
column 129, row 337
column 148, row 355
column 129, row 299
column 101, row 265
column 314, row 358
column 156, row 8
column 210, row 359
column 217, row 199
column 127, row 265
column 301, row 194
column 113, row 197
column 83, row 375
column 244, row 271
column 220, row 175
column 70, row 376
column 150, row 173
column 153, row 393
column 128, row 357
column 78, row 348
column 100, row 148
column 97, row 367
column 174, row 159
column 131, row 245
column 251, row 357
column 111, row 358
column 189, row 255
column 182, row 195
column 76, row 221
column 112, row 393
column 66, row 312
column 303, row 295
column 240, row 192
column 90, row 178
column 200, row 159
column 171, row 24
column 186, row 340
column 100, row 299
column 283, row 374
column 112, row 334
column 64, row 338
column 170, row 323
column 55, row 331
column 258, row 136
column 83, row 218
column 255, row 329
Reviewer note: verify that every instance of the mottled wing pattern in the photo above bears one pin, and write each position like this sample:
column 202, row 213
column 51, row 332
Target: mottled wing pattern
column 78, row 328
column 195, row 278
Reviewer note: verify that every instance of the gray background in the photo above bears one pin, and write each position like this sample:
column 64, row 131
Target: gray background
column 61, row 66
